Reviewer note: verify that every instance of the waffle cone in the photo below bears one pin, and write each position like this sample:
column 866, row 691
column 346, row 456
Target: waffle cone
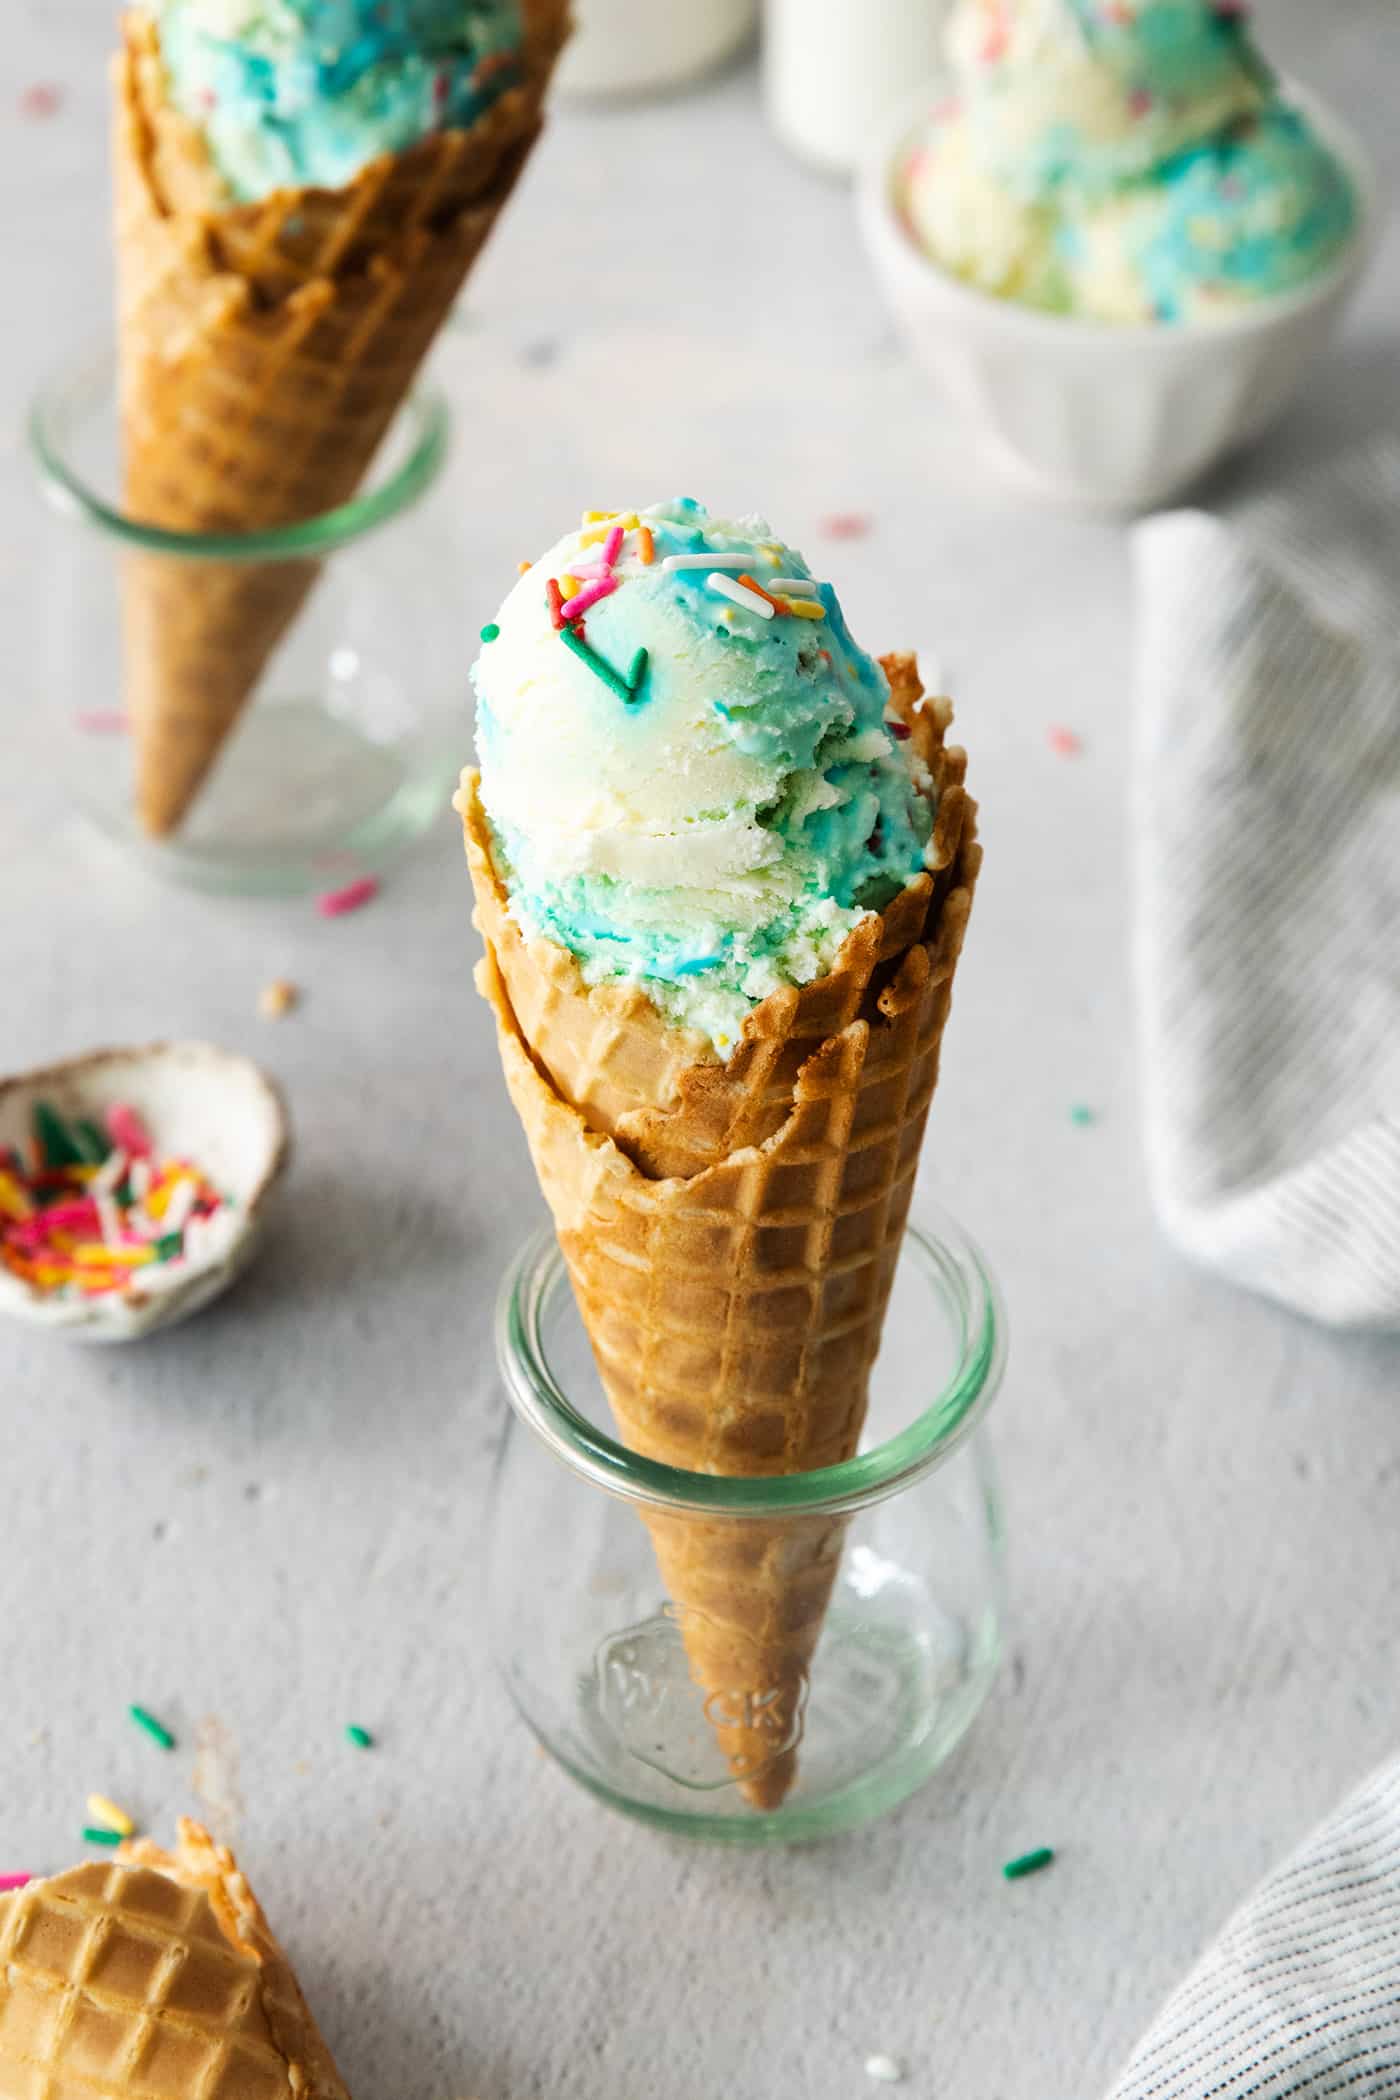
column 732, row 1231
column 158, row 1976
column 265, row 349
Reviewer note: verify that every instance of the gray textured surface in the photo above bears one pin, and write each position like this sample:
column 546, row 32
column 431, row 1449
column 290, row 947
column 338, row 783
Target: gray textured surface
column 272, row 1517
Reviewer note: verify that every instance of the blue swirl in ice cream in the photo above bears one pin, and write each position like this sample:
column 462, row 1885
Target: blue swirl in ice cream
column 705, row 794
column 305, row 93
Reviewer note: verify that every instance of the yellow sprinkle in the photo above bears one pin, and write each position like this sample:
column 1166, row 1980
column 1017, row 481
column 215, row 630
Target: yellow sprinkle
column 13, row 1201
column 599, row 533
column 95, row 1255
column 569, row 587
column 772, row 555
column 277, row 999
column 101, row 1810
column 804, row 608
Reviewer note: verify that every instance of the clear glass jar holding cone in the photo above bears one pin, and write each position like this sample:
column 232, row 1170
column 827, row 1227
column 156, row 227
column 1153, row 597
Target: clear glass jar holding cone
column 889, row 1569
column 263, row 711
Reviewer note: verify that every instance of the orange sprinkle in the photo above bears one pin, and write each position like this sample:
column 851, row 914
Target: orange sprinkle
column 646, row 545
column 523, row 568
column 766, row 596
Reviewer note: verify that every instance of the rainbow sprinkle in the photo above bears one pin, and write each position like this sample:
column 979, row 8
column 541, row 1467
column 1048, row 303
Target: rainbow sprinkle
column 10, row 1882
column 336, row 904
column 99, row 1216
column 360, row 1737
column 107, row 1816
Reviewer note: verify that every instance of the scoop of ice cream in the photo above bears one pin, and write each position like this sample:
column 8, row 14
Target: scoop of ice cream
column 305, row 93
column 687, row 765
column 1092, row 93
column 1124, row 160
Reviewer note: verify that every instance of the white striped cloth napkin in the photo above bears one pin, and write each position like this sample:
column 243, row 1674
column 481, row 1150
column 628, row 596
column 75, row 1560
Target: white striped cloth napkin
column 1300, row 1997
column 1268, row 845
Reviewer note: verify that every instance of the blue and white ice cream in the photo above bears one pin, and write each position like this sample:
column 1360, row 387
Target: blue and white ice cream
column 294, row 94
column 1124, row 160
column 693, row 784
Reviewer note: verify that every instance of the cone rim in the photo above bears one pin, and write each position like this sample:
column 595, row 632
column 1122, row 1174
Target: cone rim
column 950, row 1261
column 92, row 381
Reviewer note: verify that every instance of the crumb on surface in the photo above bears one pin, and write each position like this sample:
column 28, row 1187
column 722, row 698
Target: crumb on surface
column 278, row 999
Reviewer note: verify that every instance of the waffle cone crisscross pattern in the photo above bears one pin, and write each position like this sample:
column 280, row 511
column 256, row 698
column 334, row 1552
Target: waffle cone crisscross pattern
column 265, row 349
column 156, row 1976
column 732, row 1229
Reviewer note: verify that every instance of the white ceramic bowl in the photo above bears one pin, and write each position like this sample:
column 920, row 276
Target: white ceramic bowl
column 199, row 1103
column 1084, row 413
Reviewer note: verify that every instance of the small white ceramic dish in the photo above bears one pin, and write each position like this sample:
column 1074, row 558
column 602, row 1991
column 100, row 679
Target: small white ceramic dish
column 1083, row 413
column 198, row 1102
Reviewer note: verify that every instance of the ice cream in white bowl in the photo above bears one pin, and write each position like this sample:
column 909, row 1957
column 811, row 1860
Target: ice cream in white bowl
column 1114, row 238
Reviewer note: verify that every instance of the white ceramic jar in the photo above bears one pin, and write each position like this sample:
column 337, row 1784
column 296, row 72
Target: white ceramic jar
column 835, row 69
column 637, row 47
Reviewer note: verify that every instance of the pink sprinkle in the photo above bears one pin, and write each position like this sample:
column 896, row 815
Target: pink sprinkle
column 584, row 601
column 589, row 571
column 9, row 1882
column 354, row 897
column 41, row 100
column 900, row 731
column 127, row 1132
column 1063, row 742
column 995, row 47
column 77, row 1217
column 846, row 525
column 612, row 547
column 1140, row 101
column 103, row 721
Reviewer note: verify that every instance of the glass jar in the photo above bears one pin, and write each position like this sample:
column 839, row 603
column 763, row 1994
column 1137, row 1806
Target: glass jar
column 618, row 1681
column 272, row 711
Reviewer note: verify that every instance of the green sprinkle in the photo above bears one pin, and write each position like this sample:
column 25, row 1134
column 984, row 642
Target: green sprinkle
column 638, row 672
column 1082, row 1116
column 95, row 1835
column 612, row 679
column 154, row 1728
column 89, row 1138
column 1029, row 1863
column 55, row 1138
column 170, row 1246
column 491, row 632
column 360, row 1737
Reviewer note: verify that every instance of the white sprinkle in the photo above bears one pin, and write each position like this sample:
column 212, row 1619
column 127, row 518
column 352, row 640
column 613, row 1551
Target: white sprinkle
column 886, row 2070
column 109, row 1174
column 707, row 561
column 795, row 586
column 108, row 1216
column 141, row 1179
column 740, row 594
column 180, row 1208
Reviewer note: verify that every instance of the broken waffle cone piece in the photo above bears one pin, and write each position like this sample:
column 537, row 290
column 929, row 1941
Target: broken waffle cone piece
column 265, row 350
column 732, row 1231
column 154, row 1974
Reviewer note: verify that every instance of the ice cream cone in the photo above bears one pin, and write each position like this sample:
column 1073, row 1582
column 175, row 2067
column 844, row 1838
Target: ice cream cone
column 158, row 1976
column 265, row 349
column 732, row 1230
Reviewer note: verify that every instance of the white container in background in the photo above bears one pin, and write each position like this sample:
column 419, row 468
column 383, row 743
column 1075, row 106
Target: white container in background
column 835, row 69
column 1085, row 413
column 636, row 47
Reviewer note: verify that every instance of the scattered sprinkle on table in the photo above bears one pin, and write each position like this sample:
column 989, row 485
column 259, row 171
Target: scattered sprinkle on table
column 107, row 1816
column 103, row 721
column 96, row 1835
column 10, row 1882
column 278, row 999
column 43, row 99
column 360, row 1737
column 155, row 1729
column 335, row 904
column 491, row 632
column 846, row 525
column 1063, row 742
column 1082, row 1116
column 885, row 2070
column 1029, row 1863
column 95, row 1214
